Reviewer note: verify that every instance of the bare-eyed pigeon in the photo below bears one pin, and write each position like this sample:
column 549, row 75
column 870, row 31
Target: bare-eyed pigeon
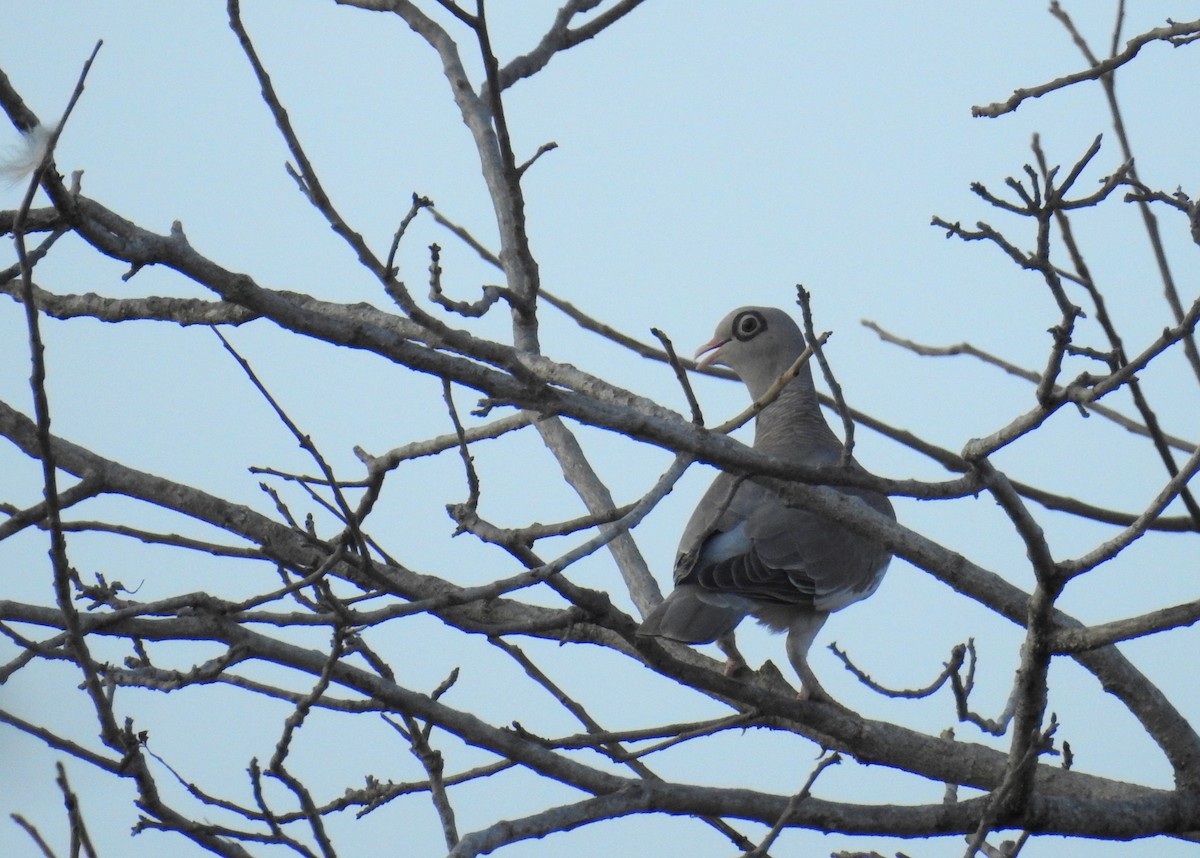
column 744, row 551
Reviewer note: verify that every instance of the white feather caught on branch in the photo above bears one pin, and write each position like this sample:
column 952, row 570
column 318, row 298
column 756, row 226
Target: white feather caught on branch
column 20, row 160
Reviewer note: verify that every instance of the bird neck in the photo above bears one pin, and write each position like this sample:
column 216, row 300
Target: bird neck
column 792, row 426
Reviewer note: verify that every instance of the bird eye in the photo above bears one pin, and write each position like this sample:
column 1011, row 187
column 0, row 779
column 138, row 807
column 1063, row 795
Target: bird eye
column 748, row 325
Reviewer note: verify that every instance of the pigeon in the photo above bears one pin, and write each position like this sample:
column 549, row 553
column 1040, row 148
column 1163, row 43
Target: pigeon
column 743, row 550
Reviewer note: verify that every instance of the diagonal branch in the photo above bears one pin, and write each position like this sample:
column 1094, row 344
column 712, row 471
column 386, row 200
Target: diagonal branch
column 561, row 36
column 1096, row 71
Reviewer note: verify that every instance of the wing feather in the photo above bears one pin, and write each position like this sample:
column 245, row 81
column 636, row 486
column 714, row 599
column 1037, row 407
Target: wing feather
column 744, row 541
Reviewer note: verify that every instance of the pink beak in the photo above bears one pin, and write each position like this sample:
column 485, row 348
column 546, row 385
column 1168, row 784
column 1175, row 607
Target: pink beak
column 713, row 349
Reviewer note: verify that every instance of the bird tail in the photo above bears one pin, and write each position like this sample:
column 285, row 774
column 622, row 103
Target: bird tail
column 687, row 617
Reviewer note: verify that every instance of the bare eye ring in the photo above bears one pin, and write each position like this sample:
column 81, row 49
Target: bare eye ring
column 748, row 325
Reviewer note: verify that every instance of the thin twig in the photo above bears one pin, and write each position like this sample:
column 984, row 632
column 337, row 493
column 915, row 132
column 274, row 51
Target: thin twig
column 473, row 309
column 794, row 802
column 804, row 299
column 79, row 833
column 296, row 718
column 432, row 761
column 1096, row 71
column 773, row 391
column 1028, row 375
column 472, row 502
column 1111, row 548
column 34, row 834
column 609, row 747
column 344, row 512
column 951, row 667
column 64, row 575
column 1083, row 638
column 681, row 375
column 418, row 203
column 1150, row 222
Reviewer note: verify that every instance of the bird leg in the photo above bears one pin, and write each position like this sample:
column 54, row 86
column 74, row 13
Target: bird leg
column 801, row 633
column 735, row 663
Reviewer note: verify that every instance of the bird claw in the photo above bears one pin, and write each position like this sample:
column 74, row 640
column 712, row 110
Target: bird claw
column 817, row 694
column 814, row 693
column 735, row 664
column 736, row 668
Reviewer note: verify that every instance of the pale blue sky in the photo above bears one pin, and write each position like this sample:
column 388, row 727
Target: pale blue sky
column 710, row 155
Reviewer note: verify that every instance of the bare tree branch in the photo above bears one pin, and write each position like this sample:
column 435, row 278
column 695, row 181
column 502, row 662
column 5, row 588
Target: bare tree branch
column 307, row 597
column 1097, row 71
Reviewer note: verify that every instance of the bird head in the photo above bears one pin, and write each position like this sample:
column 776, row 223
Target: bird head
column 757, row 343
